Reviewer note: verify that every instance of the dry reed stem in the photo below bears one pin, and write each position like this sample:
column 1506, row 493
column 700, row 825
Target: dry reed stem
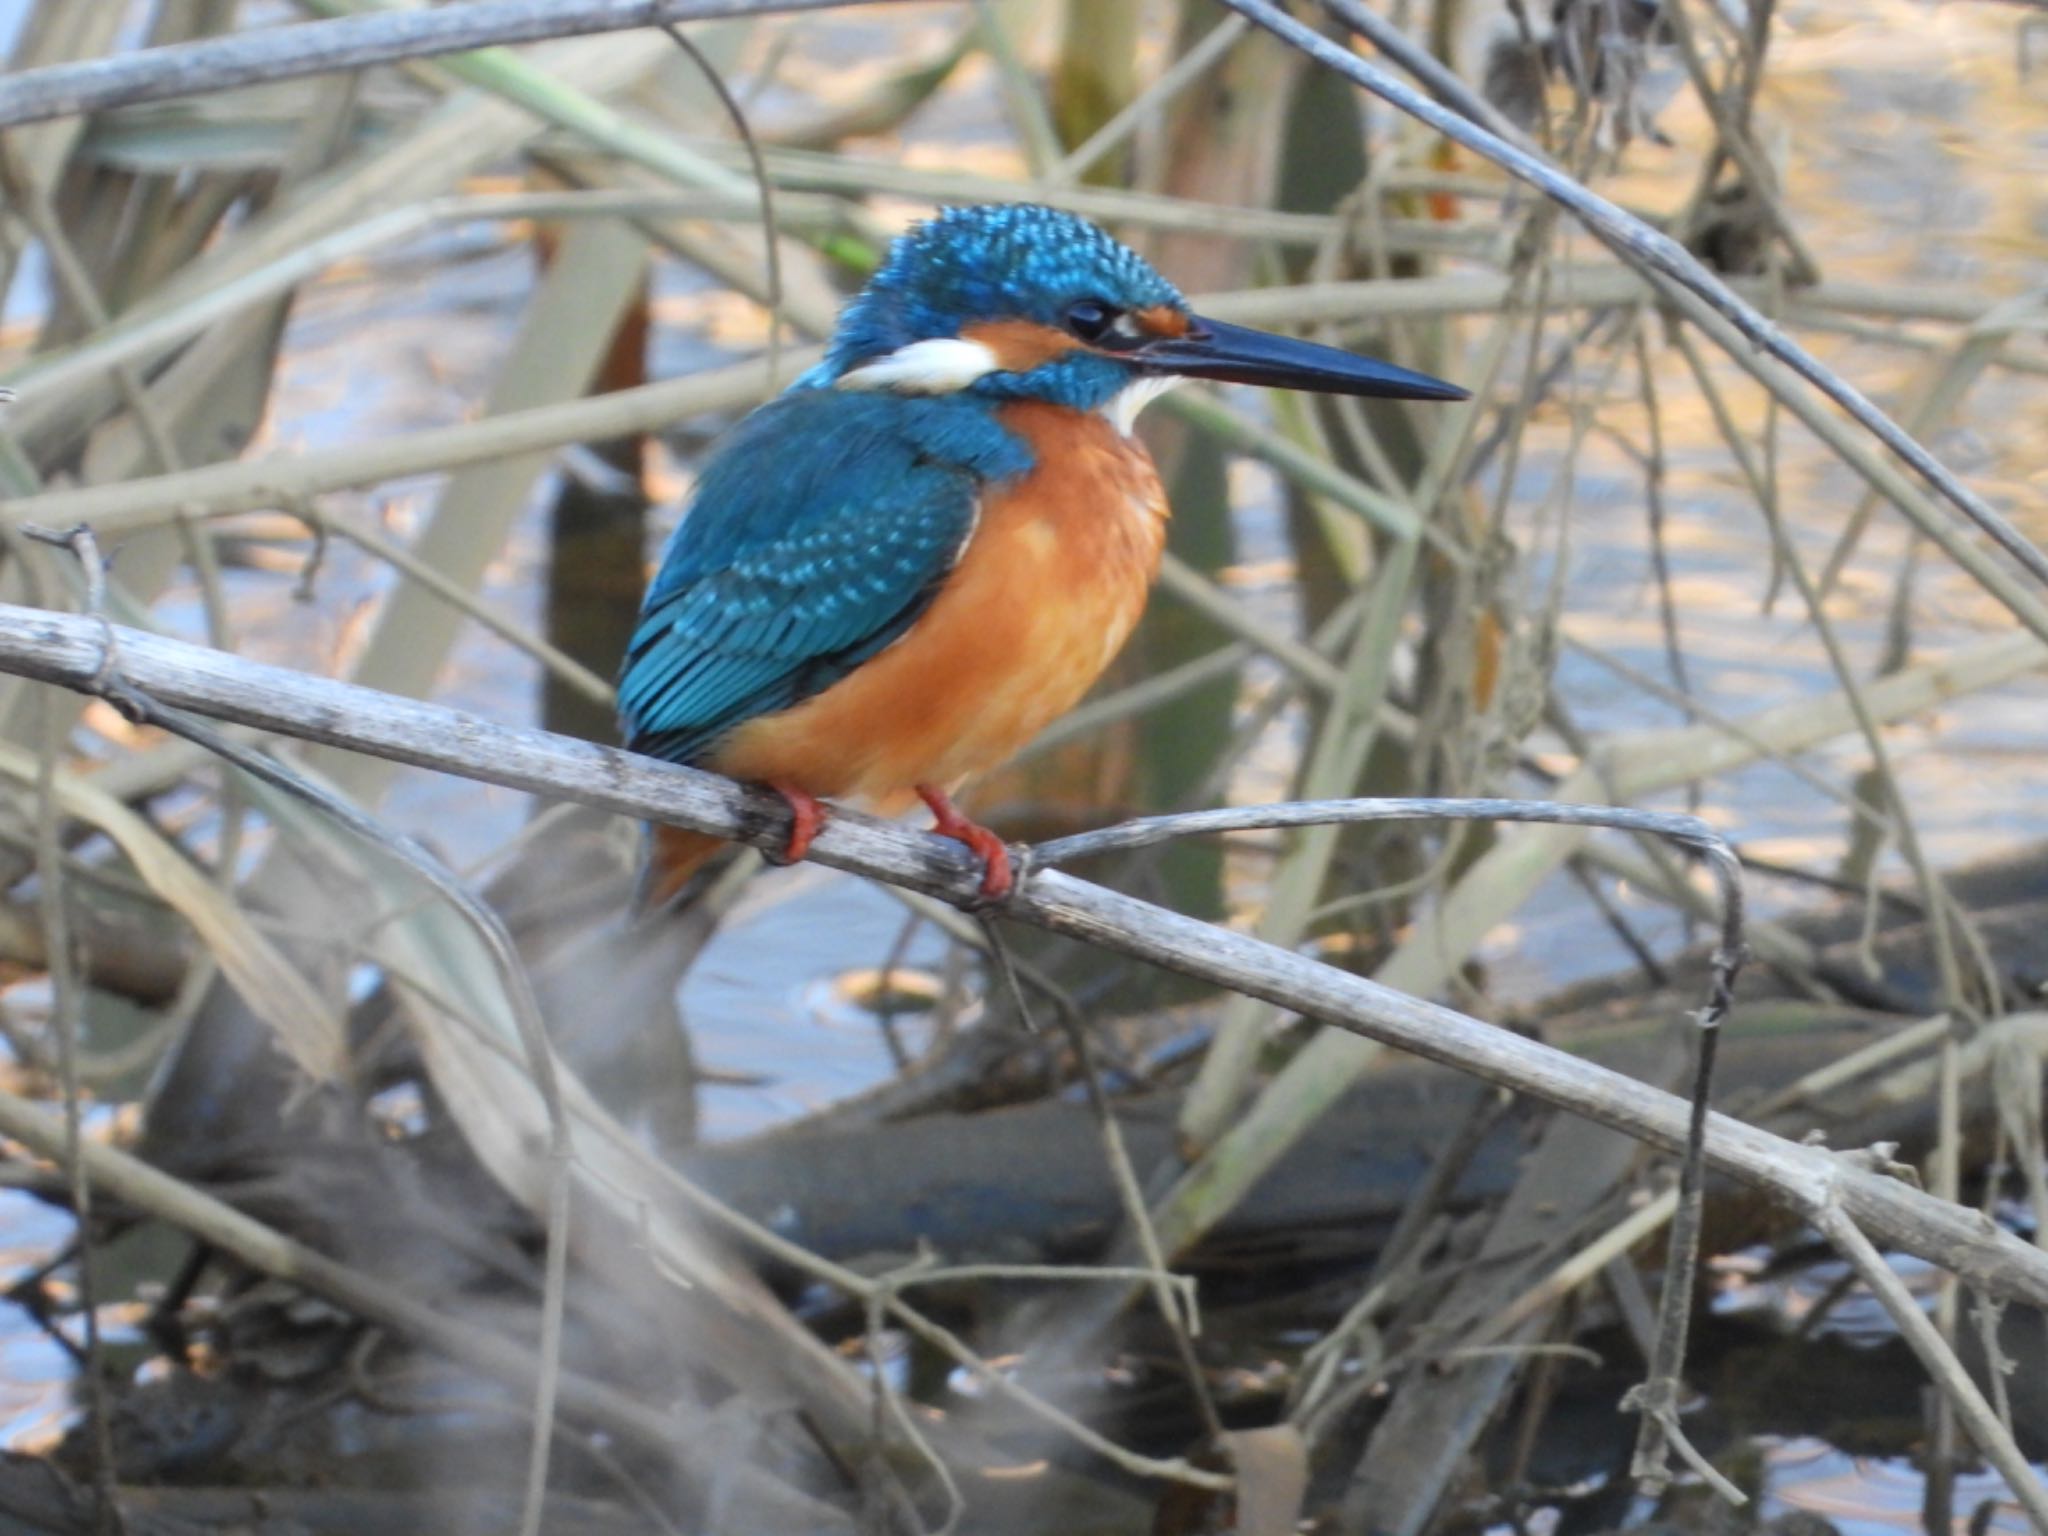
column 356, row 42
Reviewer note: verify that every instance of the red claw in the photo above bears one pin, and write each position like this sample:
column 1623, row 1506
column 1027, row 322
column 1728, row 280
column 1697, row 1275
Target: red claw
column 806, row 820
column 994, row 854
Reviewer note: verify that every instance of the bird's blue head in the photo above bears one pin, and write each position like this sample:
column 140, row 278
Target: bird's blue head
column 1005, row 301
column 1019, row 302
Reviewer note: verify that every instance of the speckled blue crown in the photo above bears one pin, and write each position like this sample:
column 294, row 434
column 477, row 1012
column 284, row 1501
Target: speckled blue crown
column 999, row 261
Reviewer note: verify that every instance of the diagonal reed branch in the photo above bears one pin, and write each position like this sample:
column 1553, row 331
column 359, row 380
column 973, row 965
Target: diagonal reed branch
column 1674, row 269
column 67, row 650
column 319, row 47
column 1935, row 1354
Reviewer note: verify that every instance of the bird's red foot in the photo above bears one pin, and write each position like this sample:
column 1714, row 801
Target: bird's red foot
column 806, row 820
column 984, row 844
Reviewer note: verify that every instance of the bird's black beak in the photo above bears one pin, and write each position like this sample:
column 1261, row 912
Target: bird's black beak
column 1234, row 354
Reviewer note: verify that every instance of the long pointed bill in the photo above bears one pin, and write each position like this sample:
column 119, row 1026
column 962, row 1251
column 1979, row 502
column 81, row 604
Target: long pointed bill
column 1235, row 354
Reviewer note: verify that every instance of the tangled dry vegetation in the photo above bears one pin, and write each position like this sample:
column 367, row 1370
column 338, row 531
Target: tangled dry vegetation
column 1245, row 1183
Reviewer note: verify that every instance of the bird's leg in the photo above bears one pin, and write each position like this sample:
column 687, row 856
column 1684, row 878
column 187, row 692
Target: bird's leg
column 806, row 819
column 994, row 855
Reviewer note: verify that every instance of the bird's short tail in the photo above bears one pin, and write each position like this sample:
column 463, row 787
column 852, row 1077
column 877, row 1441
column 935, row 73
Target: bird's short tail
column 673, row 857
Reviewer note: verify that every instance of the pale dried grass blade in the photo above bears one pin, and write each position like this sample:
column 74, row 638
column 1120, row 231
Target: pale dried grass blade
column 307, row 1027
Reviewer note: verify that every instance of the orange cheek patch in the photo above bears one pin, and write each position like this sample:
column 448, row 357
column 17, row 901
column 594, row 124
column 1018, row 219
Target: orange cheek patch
column 1161, row 320
column 1019, row 345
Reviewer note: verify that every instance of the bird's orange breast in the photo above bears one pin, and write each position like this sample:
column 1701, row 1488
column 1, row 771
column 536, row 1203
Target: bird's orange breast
column 1046, row 592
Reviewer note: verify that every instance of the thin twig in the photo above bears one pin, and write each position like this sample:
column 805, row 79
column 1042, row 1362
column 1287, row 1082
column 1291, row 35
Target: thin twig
column 770, row 237
column 65, row 1011
column 1177, row 1312
column 92, row 565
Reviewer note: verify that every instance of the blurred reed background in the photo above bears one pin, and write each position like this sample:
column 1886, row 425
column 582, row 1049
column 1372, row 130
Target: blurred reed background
column 255, row 338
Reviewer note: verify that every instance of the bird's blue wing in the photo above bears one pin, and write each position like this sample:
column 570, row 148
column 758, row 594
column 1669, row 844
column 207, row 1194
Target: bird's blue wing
column 819, row 532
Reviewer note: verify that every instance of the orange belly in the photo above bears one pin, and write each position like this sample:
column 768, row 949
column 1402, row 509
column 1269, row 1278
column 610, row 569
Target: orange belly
column 1045, row 594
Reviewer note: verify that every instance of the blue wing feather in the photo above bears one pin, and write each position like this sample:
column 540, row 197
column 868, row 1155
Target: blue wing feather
column 820, row 530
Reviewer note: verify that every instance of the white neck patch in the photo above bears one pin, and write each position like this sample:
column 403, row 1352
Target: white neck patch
column 1122, row 407
column 943, row 365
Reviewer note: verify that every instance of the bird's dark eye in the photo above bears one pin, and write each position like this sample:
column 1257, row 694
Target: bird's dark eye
column 1093, row 319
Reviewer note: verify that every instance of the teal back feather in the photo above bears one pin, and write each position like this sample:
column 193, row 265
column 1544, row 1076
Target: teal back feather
column 820, row 530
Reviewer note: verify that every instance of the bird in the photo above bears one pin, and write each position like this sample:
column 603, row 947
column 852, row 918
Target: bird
column 893, row 575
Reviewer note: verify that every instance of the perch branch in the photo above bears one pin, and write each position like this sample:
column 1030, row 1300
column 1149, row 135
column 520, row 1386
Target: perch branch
column 68, row 650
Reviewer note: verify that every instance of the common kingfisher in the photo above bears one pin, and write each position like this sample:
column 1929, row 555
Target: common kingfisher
column 895, row 574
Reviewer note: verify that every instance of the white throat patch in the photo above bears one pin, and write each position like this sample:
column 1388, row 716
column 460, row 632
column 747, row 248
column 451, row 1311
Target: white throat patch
column 943, row 365
column 1122, row 407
